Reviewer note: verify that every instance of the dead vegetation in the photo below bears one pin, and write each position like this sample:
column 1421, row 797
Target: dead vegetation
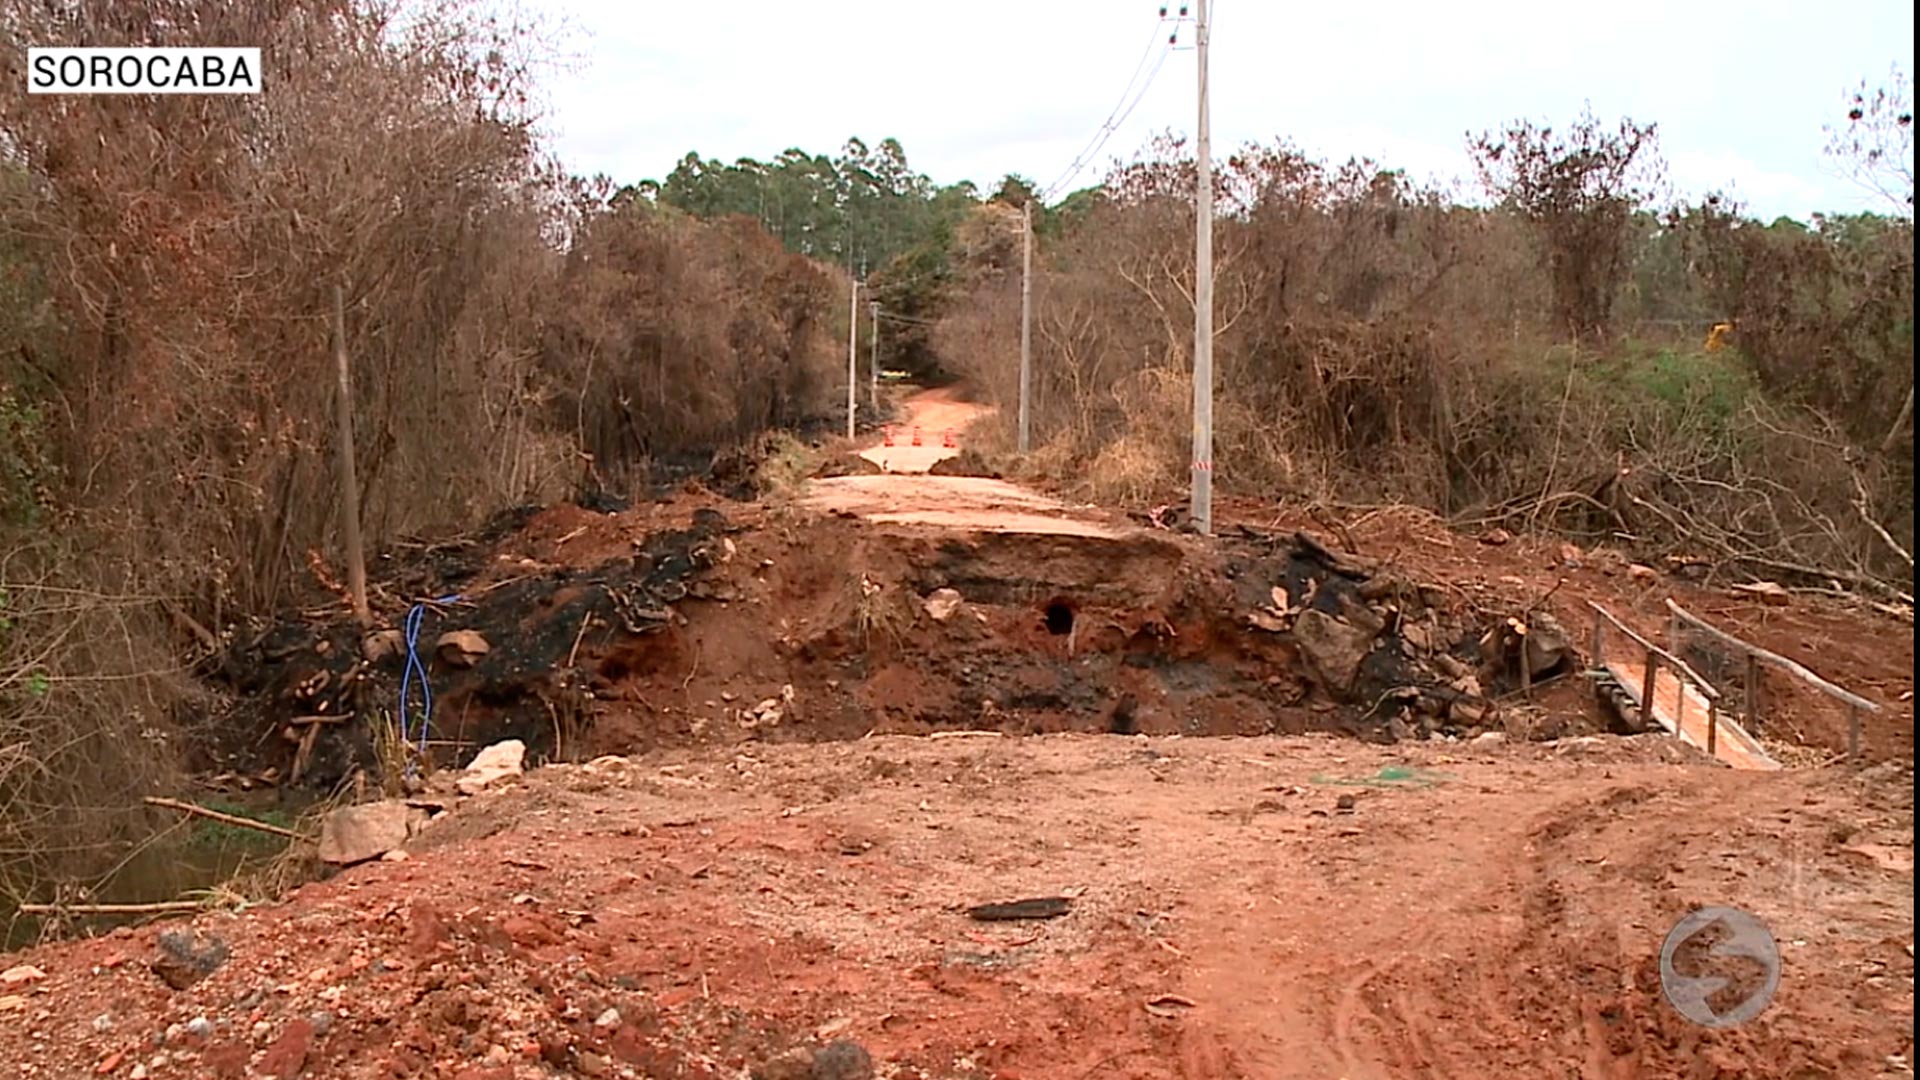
column 166, row 396
column 1539, row 364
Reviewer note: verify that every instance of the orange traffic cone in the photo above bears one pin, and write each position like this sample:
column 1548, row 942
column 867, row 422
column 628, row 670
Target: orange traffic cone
column 948, row 441
column 916, row 436
column 886, row 435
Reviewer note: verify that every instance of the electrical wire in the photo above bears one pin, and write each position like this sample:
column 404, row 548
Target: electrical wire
column 1121, row 110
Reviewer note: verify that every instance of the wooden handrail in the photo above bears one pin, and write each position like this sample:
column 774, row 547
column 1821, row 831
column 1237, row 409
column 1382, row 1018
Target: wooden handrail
column 1775, row 659
column 1681, row 666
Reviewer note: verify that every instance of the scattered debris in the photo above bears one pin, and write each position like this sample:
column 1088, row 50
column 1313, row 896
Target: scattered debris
column 769, row 712
column 1496, row 538
column 21, row 975
column 1770, row 593
column 1044, row 907
column 1169, row 1006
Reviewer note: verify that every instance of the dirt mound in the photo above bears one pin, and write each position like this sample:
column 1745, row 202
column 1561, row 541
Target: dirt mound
column 964, row 463
column 847, row 465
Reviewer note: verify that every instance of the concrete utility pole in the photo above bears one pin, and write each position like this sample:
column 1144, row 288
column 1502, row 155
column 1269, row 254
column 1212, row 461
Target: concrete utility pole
column 873, row 356
column 853, row 356
column 1203, row 300
column 1026, row 326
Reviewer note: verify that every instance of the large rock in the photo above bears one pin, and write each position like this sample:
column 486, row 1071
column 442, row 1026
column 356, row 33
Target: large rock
column 1547, row 644
column 1332, row 648
column 354, row 834
column 497, row 762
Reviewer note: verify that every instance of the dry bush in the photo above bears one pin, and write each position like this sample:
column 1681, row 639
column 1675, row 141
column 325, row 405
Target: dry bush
column 88, row 693
column 1580, row 190
column 1379, row 342
column 679, row 336
column 191, row 246
column 167, row 389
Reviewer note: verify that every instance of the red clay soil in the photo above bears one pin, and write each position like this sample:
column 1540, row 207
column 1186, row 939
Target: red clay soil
column 1263, row 909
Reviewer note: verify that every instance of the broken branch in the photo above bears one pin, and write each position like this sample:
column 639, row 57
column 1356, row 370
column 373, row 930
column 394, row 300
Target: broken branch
column 229, row 819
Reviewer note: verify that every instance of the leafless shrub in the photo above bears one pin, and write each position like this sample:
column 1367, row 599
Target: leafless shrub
column 165, row 376
column 1580, row 190
column 1382, row 342
column 678, row 335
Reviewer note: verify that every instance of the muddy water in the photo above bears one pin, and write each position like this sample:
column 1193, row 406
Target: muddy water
column 178, row 863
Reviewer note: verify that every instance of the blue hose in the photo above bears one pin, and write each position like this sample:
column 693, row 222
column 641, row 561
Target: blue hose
column 416, row 619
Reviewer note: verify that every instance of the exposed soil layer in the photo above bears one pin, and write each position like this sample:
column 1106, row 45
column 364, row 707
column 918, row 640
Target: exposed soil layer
column 618, row 632
column 1264, row 909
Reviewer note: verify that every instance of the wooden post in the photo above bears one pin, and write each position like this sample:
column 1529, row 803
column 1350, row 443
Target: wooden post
column 1713, row 728
column 349, row 480
column 1646, row 693
column 1753, row 693
column 1599, row 642
column 1679, row 703
column 1853, row 735
column 1526, row 664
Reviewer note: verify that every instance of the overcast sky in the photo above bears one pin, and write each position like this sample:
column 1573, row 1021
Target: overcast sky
column 974, row 91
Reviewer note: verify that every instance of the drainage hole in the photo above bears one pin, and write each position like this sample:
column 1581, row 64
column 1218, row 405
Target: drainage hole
column 1059, row 615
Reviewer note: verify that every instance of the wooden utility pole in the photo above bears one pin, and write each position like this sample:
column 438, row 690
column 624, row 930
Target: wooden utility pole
column 349, row 479
column 1026, row 326
column 1203, row 298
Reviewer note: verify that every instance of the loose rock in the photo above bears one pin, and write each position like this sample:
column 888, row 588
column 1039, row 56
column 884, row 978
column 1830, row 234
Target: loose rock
column 495, row 763
column 1332, row 648
column 842, row 1059
column 795, row 1064
column 186, row 958
column 942, row 603
column 354, row 834
column 21, row 975
column 462, row 648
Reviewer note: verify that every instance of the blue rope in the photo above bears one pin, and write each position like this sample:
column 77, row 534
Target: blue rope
column 416, row 619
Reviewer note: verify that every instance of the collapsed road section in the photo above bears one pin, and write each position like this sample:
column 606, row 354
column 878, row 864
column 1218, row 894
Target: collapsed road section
column 585, row 633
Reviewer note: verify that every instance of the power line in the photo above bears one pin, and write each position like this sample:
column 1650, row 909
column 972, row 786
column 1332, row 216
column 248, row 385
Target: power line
column 1121, row 110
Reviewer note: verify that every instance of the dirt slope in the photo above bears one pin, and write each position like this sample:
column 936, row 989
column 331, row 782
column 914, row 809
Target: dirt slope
column 1493, row 912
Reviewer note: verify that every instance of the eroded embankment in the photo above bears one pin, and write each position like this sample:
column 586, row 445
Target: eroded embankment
column 584, row 633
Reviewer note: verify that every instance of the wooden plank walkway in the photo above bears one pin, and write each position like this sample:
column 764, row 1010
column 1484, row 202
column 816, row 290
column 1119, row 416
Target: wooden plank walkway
column 1674, row 699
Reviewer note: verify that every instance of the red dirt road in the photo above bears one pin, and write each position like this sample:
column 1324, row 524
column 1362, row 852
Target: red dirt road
column 690, row 916
column 937, row 415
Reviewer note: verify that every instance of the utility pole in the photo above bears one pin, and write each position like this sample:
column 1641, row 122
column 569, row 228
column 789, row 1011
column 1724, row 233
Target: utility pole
column 853, row 355
column 873, row 359
column 1026, row 325
column 1203, row 300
